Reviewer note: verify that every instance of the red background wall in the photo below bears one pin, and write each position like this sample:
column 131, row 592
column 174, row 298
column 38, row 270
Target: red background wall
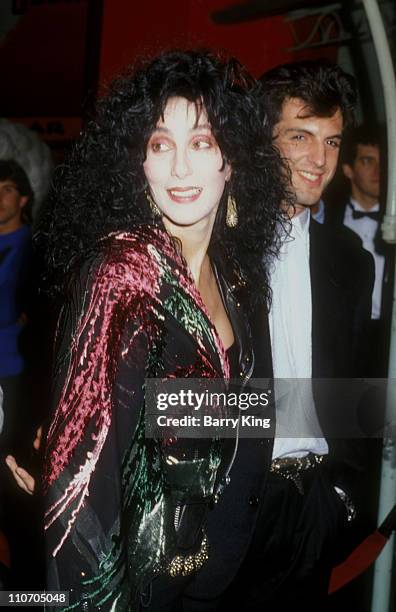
column 59, row 50
column 130, row 29
column 42, row 61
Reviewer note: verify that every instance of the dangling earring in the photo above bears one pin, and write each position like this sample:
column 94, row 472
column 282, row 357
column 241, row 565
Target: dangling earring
column 153, row 206
column 232, row 213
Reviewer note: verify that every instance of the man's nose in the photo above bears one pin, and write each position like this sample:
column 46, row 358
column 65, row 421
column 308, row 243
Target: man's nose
column 317, row 154
column 181, row 166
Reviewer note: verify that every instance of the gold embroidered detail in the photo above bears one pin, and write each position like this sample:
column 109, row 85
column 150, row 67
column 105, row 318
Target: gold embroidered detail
column 183, row 565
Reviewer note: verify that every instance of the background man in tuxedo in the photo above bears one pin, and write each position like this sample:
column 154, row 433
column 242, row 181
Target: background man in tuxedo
column 361, row 212
column 274, row 531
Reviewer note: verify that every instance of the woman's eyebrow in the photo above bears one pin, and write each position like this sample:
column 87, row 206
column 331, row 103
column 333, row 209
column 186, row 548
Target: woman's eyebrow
column 202, row 126
column 161, row 129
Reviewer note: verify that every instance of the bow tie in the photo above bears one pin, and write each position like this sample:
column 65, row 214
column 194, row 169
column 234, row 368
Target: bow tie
column 359, row 214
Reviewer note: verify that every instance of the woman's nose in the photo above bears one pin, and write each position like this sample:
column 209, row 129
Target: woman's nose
column 181, row 164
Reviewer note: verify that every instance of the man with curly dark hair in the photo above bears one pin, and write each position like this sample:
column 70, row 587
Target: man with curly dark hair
column 321, row 287
column 277, row 529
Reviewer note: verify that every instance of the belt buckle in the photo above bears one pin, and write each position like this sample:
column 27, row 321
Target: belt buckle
column 293, row 472
column 296, row 478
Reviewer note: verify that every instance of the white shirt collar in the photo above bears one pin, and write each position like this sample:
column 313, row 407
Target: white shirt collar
column 358, row 207
column 319, row 216
column 300, row 224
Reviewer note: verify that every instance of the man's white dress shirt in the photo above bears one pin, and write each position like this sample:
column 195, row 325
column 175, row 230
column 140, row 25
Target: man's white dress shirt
column 290, row 321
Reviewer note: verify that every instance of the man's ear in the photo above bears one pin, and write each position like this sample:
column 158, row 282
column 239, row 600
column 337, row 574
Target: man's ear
column 23, row 201
column 347, row 170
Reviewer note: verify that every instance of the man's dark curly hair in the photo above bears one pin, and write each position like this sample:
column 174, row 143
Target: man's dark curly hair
column 323, row 86
column 100, row 189
column 10, row 170
column 364, row 134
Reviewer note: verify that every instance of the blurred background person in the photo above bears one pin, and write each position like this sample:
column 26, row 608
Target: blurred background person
column 18, row 516
column 16, row 198
column 25, row 330
column 361, row 212
column 23, row 145
column 4, row 549
column 1, row 410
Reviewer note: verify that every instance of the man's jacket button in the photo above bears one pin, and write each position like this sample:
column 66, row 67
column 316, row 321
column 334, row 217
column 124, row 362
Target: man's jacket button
column 253, row 500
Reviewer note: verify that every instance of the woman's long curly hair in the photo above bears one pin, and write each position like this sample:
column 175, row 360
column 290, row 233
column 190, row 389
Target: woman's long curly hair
column 101, row 187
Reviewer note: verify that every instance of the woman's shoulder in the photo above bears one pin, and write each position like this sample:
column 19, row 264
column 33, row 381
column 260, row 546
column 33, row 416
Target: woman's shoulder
column 140, row 242
column 133, row 259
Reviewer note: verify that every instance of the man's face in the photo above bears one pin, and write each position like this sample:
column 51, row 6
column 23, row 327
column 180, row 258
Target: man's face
column 311, row 146
column 364, row 174
column 11, row 204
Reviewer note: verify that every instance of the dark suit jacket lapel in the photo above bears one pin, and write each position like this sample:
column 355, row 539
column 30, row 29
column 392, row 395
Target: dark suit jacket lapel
column 325, row 290
column 335, row 212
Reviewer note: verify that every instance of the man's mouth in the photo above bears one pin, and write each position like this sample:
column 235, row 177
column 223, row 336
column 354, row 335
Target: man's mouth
column 314, row 179
column 184, row 194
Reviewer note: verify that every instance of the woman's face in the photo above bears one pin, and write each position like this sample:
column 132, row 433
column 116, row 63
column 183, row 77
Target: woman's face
column 184, row 163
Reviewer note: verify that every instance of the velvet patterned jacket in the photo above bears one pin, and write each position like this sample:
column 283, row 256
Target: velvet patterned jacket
column 134, row 313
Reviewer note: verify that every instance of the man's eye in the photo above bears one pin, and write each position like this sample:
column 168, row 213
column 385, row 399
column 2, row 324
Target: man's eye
column 298, row 137
column 335, row 144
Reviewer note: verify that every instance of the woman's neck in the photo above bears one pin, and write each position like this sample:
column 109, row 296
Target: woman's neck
column 195, row 242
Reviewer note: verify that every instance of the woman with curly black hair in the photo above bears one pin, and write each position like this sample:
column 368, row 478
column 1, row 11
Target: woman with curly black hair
column 164, row 218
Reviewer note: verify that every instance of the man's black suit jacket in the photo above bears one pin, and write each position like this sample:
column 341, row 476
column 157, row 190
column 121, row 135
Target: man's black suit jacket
column 334, row 219
column 341, row 279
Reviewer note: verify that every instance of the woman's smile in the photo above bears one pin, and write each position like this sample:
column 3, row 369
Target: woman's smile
column 184, row 195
